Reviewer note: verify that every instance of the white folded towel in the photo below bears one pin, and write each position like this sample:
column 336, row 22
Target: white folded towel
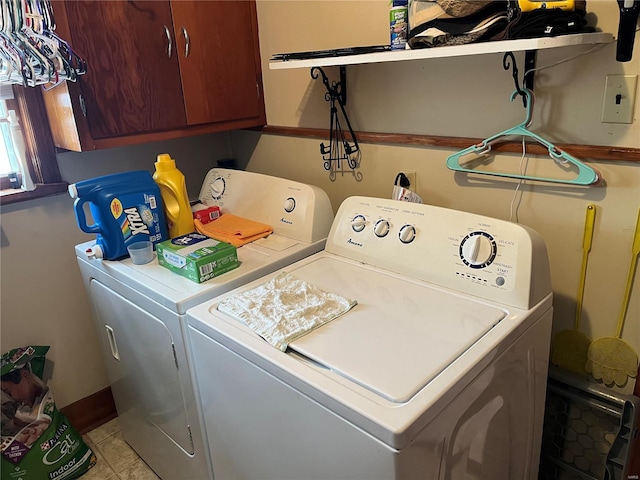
column 285, row 308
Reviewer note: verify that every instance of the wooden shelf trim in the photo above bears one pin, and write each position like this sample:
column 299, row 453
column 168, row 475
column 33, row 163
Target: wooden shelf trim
column 594, row 152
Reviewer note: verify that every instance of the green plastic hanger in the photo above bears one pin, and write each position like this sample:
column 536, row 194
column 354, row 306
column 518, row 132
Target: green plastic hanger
column 586, row 175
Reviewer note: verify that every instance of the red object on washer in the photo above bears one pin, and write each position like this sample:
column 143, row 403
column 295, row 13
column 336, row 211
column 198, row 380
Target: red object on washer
column 207, row 215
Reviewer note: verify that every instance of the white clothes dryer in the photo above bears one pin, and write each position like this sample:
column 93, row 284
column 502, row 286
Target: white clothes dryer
column 438, row 372
column 140, row 311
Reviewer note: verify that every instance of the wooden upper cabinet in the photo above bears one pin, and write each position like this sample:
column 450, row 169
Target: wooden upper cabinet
column 217, row 58
column 156, row 70
column 131, row 85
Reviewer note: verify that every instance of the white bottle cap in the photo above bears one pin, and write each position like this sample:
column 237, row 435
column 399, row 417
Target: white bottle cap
column 95, row 252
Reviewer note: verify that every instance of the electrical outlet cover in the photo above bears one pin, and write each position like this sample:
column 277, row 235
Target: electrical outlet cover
column 411, row 175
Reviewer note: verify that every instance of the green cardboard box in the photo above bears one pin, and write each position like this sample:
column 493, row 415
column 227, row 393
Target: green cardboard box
column 197, row 257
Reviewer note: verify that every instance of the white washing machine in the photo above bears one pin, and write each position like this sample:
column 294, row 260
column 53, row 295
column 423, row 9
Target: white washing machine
column 438, row 372
column 140, row 311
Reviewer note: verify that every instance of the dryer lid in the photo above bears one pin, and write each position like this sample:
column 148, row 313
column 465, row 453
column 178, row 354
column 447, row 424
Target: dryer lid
column 400, row 336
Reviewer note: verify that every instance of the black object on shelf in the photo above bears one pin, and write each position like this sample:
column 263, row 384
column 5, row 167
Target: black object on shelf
column 629, row 10
column 337, row 52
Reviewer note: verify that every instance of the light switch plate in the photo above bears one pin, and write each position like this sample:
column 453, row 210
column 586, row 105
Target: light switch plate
column 619, row 98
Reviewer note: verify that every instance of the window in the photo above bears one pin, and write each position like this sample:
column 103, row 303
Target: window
column 40, row 151
column 8, row 160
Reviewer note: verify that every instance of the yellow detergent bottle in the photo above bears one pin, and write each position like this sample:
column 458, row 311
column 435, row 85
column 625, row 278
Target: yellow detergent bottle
column 173, row 189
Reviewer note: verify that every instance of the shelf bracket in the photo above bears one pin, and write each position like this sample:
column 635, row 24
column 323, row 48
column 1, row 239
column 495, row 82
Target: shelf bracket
column 509, row 62
column 335, row 90
column 529, row 68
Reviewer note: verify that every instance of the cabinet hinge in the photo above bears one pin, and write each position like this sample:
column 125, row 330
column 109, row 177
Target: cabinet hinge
column 175, row 357
column 258, row 89
column 83, row 106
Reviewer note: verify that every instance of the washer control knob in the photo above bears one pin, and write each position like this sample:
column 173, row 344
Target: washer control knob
column 358, row 223
column 289, row 204
column 478, row 249
column 407, row 233
column 218, row 187
column 381, row 228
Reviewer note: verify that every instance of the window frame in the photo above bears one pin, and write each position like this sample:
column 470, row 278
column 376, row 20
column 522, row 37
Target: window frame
column 40, row 150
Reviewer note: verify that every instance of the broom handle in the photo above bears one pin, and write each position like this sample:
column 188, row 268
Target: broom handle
column 635, row 250
column 586, row 247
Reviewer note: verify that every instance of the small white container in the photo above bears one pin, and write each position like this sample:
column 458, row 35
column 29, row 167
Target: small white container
column 141, row 252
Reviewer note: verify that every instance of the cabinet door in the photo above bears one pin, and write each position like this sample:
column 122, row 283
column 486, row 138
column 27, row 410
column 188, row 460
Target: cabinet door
column 221, row 74
column 145, row 377
column 132, row 84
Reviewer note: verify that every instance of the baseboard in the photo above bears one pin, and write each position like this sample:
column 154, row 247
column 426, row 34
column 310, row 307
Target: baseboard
column 92, row 411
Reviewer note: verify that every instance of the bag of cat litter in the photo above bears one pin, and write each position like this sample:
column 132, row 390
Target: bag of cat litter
column 38, row 442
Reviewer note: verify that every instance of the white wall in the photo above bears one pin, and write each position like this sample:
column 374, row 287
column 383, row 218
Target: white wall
column 465, row 97
column 43, row 300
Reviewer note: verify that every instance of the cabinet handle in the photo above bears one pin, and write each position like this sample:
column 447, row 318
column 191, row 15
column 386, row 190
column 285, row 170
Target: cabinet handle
column 187, row 42
column 83, row 106
column 169, row 42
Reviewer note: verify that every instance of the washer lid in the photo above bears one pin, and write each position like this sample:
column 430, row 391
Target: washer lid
column 401, row 334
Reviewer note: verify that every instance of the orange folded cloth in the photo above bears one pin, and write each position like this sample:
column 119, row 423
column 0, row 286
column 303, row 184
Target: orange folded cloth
column 234, row 230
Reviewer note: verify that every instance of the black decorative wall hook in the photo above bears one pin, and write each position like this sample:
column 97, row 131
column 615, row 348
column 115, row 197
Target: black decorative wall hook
column 509, row 62
column 339, row 148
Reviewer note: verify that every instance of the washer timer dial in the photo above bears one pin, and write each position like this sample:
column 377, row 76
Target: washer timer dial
column 289, row 204
column 478, row 250
column 218, row 186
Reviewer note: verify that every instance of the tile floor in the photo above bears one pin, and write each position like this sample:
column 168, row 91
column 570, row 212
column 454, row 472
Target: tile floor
column 116, row 459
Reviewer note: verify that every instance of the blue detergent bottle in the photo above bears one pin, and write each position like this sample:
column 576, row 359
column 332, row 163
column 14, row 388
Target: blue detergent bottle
column 126, row 208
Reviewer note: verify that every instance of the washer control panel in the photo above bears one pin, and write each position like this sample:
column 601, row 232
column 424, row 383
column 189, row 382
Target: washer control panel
column 471, row 253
